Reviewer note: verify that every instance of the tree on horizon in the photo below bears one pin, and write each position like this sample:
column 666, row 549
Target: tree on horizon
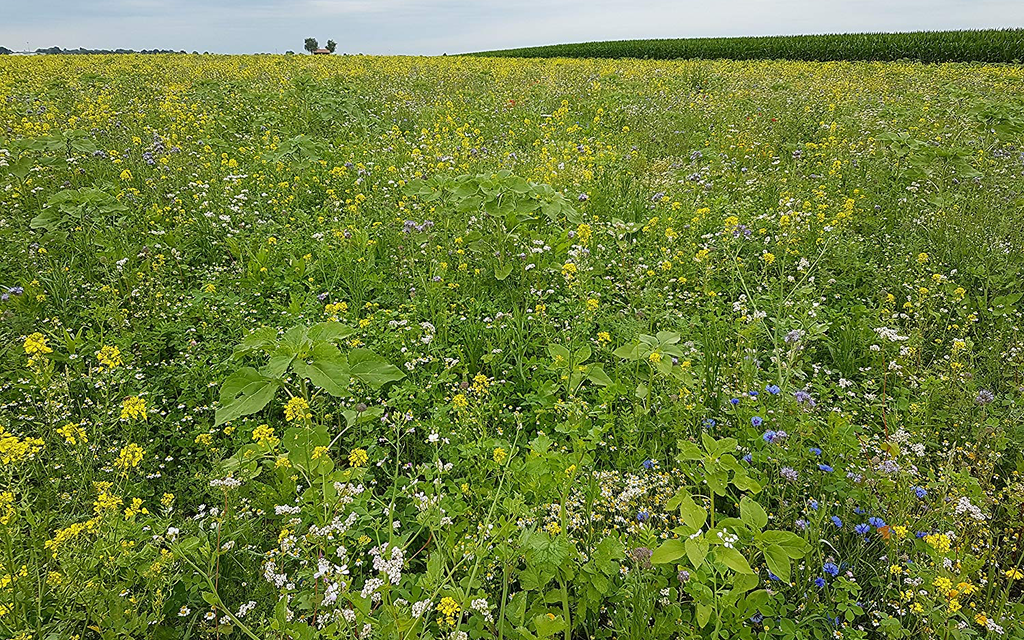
column 311, row 45
column 331, row 45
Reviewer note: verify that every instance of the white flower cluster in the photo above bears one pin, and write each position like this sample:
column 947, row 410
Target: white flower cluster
column 964, row 506
column 480, row 605
column 392, row 567
column 728, row 539
column 420, row 607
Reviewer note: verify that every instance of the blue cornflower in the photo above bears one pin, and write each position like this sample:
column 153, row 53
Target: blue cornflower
column 773, row 389
column 768, row 436
column 709, row 423
column 772, row 576
column 836, row 521
column 920, row 534
column 920, row 492
column 859, row 511
column 648, row 464
column 825, row 468
column 876, row 522
column 813, row 504
column 643, row 516
column 757, row 421
column 830, row 568
column 819, row 582
column 862, row 529
column 748, row 458
column 815, row 450
column 734, row 401
column 752, row 394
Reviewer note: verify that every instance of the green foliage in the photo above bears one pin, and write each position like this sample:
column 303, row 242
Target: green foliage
column 984, row 45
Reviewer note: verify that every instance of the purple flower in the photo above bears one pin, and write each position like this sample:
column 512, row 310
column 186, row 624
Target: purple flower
column 794, row 335
column 984, row 397
column 789, row 473
column 801, row 524
column 802, row 397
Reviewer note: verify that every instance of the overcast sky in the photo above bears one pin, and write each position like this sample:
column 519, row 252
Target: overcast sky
column 454, row 26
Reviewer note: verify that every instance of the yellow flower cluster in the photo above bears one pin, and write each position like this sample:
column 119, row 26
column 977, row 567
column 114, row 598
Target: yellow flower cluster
column 358, row 457
column 264, row 435
column 938, row 541
column 109, row 357
column 500, row 455
column 449, row 610
column 133, row 408
column 73, row 434
column 35, row 345
column 297, row 409
column 129, row 457
column 14, row 449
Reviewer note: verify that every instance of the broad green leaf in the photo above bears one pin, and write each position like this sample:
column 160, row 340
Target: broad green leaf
column 777, row 560
column 696, row 551
column 371, row 369
column 688, row 451
column 794, row 546
column 753, row 514
column 669, row 551
column 330, row 331
column 244, row 392
column 596, row 374
column 733, row 559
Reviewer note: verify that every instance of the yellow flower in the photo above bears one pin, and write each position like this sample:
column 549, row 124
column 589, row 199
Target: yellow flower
column 981, row 619
column 768, row 257
column 129, row 457
column 895, row 569
column 583, row 232
column 449, row 609
column 480, row 383
column 655, row 357
column 459, row 402
column 6, row 507
column 35, row 344
column 358, row 457
column 264, row 435
column 133, row 408
column 500, row 455
column 1014, row 574
column 167, row 500
column 109, row 356
column 604, row 337
column 922, row 258
column 569, row 270
column 319, row 452
column 73, row 434
column 14, row 449
column 126, row 175
column 297, row 409
column 204, row 439
column 592, row 304
column 938, row 541
column 954, row 606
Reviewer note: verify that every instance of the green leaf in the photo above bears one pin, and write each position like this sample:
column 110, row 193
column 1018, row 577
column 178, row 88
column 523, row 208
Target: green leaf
column 548, row 624
column 696, row 551
column 703, row 614
column 328, row 369
column 693, row 514
column 733, row 559
column 329, row 331
column 502, row 271
column 688, row 451
column 669, row 551
column 794, row 546
column 596, row 374
column 606, row 553
column 244, row 392
column 371, row 369
column 753, row 514
column 777, row 560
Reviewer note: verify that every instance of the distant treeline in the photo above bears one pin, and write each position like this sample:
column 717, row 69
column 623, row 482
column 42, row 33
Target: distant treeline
column 986, row 45
column 80, row 51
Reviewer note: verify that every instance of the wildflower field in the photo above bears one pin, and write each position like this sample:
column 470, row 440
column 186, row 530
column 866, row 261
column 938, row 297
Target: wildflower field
column 462, row 348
